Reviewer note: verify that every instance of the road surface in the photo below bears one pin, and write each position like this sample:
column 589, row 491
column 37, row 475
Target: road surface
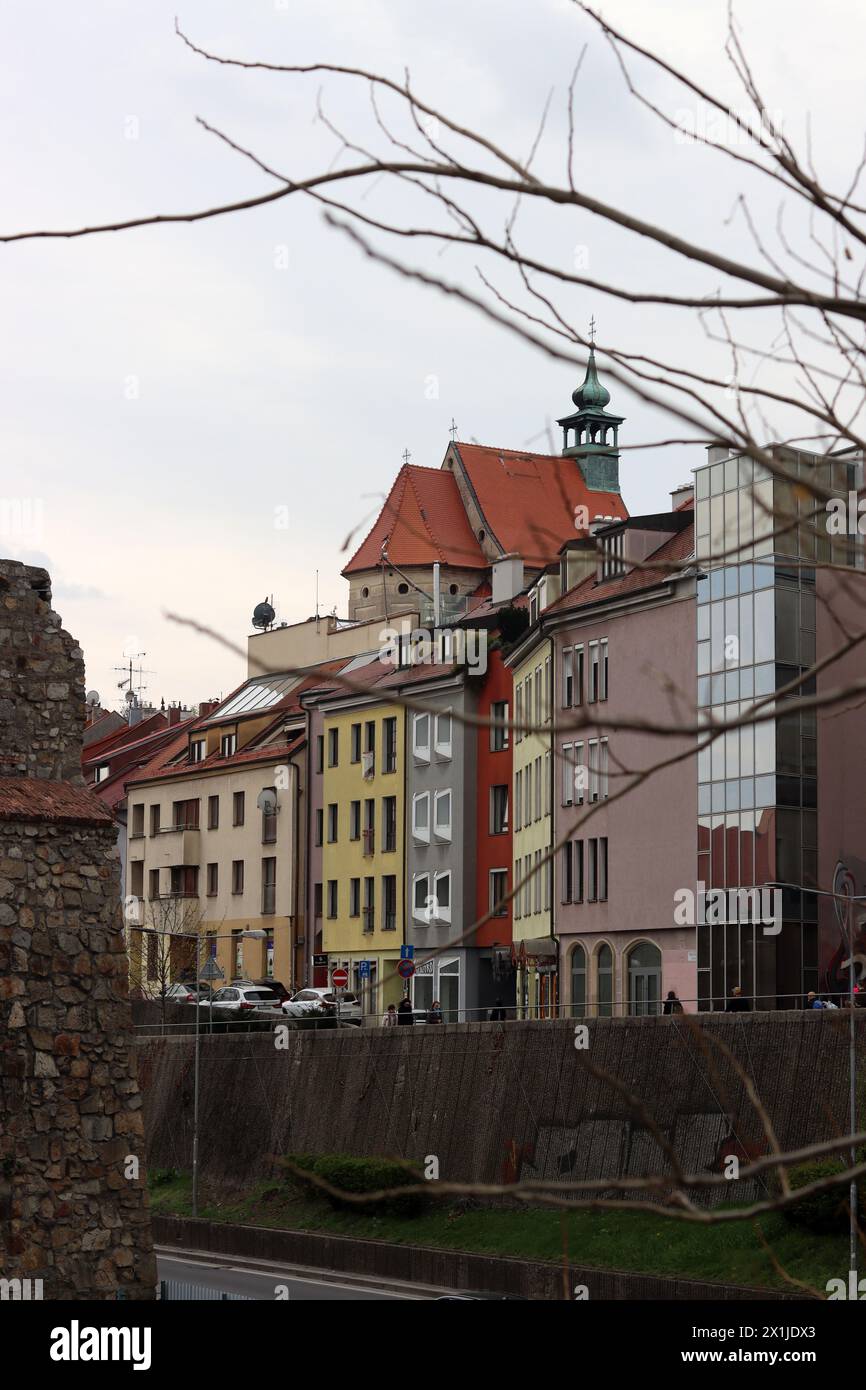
column 260, row 1281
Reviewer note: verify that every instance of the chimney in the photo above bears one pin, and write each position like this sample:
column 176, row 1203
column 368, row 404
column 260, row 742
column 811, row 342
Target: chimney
column 683, row 492
column 507, row 578
column 206, row 707
column 174, row 713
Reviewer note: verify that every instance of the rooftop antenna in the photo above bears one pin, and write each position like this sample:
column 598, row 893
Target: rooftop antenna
column 130, row 684
column 317, row 595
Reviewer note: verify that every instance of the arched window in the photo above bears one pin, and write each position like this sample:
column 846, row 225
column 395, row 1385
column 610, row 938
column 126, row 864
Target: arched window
column 644, row 978
column 578, row 982
column 604, row 981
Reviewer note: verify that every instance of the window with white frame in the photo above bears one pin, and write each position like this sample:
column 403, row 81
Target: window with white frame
column 442, row 815
column 443, row 734
column 578, row 675
column 567, row 678
column 602, row 672
column 516, row 899
column 527, row 796
column 420, row 894
column 581, row 775
column 598, row 777
column 499, row 810
column 197, row 750
column 421, row 817
column 602, row 769
column 498, row 726
column 594, row 673
column 498, row 892
column 539, row 693
column 533, row 607
column 421, row 737
column 518, row 712
column 567, row 775
column 538, row 808
column 518, row 798
column 442, row 896
column 528, row 687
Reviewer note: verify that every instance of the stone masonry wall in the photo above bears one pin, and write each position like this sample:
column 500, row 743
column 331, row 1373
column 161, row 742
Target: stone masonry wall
column 73, row 1205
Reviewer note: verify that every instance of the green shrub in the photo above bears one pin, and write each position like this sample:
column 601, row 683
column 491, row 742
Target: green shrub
column 359, row 1175
column 161, row 1177
column 824, row 1213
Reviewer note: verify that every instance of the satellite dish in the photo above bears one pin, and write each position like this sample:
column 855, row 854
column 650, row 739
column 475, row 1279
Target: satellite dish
column 93, row 697
column 263, row 615
column 129, row 696
column 267, row 801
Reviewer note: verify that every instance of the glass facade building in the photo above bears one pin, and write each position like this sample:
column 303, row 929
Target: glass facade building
column 757, row 540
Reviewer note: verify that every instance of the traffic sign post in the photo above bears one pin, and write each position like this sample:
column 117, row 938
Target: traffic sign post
column 339, row 978
column 405, row 969
column 364, row 969
column 407, row 952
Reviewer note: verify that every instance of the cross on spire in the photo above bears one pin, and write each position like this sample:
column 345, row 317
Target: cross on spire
column 592, row 330
column 406, row 456
column 453, row 430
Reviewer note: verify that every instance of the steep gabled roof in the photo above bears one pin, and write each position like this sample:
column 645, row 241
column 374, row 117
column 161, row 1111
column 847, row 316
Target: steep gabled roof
column 423, row 521
column 530, row 501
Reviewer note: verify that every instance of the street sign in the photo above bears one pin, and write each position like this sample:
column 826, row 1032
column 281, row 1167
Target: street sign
column 211, row 971
column 407, row 952
column 364, row 969
column 405, row 969
column 339, row 978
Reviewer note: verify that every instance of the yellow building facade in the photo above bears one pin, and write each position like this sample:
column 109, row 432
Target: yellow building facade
column 363, row 847
column 532, row 821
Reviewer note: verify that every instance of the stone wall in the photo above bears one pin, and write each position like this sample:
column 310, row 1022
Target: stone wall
column 73, row 1205
column 498, row 1102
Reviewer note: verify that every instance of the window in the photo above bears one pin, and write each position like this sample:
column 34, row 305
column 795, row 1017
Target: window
column 527, row 685
column 604, row 981
column 499, row 726
column 548, row 883
column 213, row 871
column 389, row 902
column 597, row 870
column 184, row 880
column 389, row 734
column 644, row 978
column 527, row 886
column 527, row 795
column 237, row 876
column 539, row 694
column 548, row 786
column 536, row 879
column 355, row 892
column 197, row 750
column 499, row 810
column 538, row 809
column 354, row 820
column 136, row 878
column 442, row 896
column 138, row 820
column 320, row 752
column 602, row 869
column 498, row 892
column 533, row 607
column 578, row 871
column 228, row 745
column 370, row 736
column 369, row 904
column 153, row 883
column 320, row 825
column 518, row 798
column 598, row 769
column 442, row 815
column 332, row 898
column 580, row 776
column 548, row 692
column 594, row 673
column 389, row 824
column 369, row 834
column 421, row 738
column 567, row 678
column 578, row 982
column 443, row 735
column 317, row 900
column 567, row 775
column 213, row 813
column 269, row 820
column 567, row 880
column 333, row 813
column 185, row 814
column 602, row 676
column 269, row 886
column 578, row 675
column 333, row 747
column 516, row 899
column 355, row 754
column 518, row 712
column 238, row 808
column 420, row 894
column 421, row 816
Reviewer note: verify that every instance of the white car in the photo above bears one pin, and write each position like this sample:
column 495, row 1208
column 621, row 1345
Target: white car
column 322, row 1000
column 240, row 999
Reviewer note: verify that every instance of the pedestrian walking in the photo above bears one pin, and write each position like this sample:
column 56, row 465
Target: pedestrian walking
column 434, row 1013
column 389, row 1019
column 672, row 1004
column 497, row 1013
column 405, row 1012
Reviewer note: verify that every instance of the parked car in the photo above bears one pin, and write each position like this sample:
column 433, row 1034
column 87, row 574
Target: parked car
column 275, row 987
column 240, row 999
column 324, row 1000
column 183, row 993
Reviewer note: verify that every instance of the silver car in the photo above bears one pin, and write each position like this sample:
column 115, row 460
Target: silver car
column 237, row 1000
column 322, row 1000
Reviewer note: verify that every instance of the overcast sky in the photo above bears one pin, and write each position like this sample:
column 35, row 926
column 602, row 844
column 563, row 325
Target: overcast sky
column 171, row 396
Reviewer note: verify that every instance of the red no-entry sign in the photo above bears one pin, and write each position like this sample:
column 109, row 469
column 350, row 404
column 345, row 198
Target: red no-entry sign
column 339, row 978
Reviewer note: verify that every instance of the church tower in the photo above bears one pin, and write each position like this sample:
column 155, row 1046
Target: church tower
column 591, row 433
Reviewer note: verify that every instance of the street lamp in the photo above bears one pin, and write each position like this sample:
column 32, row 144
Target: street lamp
column 254, row 934
column 849, row 899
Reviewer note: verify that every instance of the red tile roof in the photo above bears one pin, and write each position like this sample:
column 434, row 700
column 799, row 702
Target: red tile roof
column 675, row 550
column 423, row 520
column 529, row 500
column 101, row 748
column 38, row 799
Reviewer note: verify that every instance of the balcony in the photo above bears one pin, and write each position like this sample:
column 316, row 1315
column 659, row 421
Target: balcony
column 177, row 844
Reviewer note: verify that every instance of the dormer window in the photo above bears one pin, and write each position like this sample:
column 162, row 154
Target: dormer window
column 197, row 749
column 612, row 555
column 533, row 607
